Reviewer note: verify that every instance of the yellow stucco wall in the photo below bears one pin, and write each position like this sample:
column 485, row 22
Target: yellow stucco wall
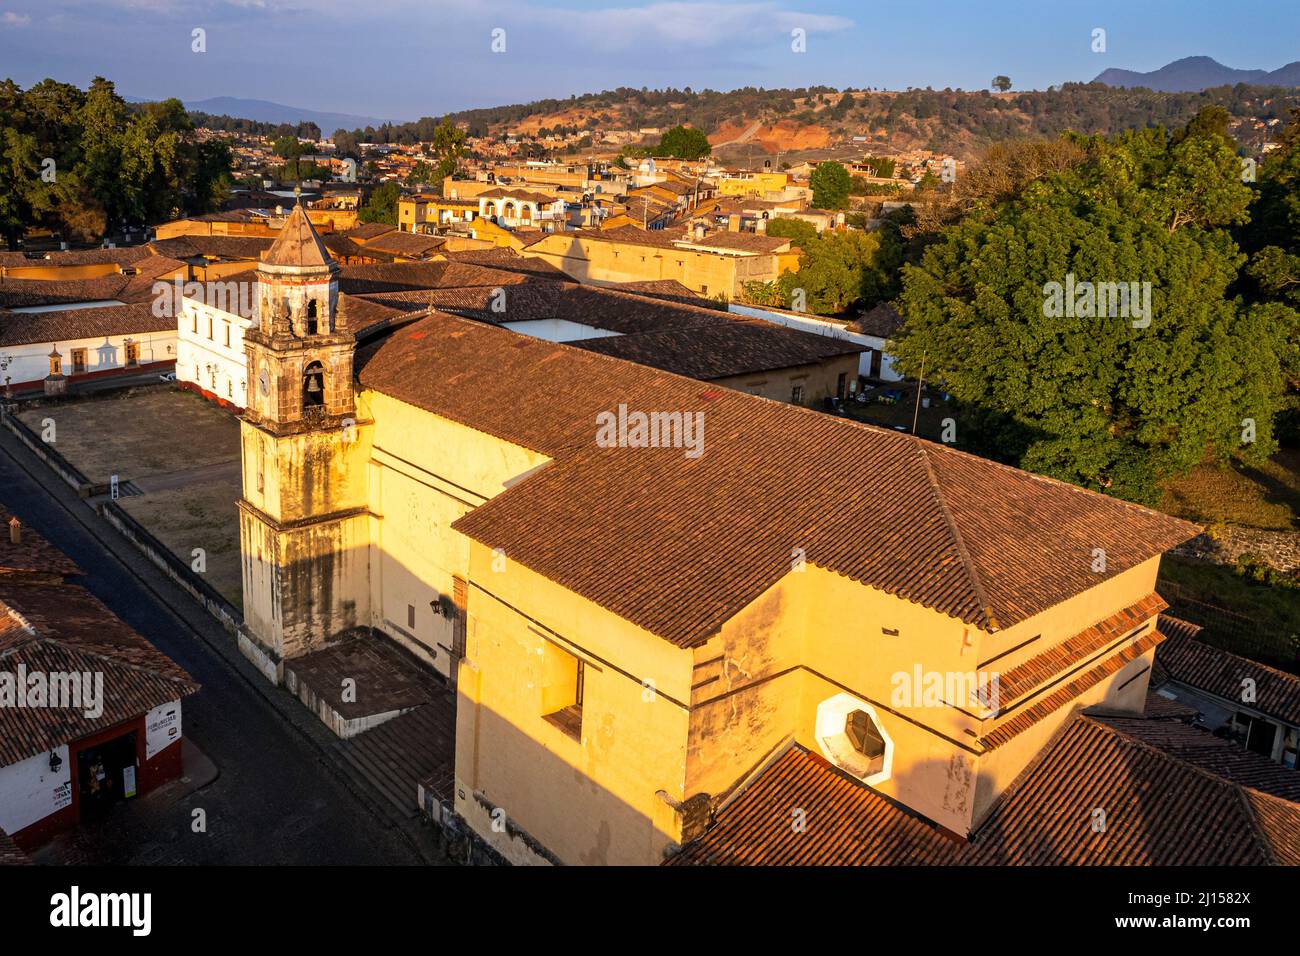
column 708, row 273
column 591, row 800
column 424, row 473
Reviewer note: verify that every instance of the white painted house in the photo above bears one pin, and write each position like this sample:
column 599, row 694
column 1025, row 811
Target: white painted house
column 80, row 341
column 210, row 328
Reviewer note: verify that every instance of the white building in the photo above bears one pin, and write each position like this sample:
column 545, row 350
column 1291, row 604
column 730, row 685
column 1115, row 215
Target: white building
column 210, row 337
column 82, row 341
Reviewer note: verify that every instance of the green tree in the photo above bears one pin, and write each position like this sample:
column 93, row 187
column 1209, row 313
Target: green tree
column 1001, row 83
column 802, row 233
column 830, row 185
column 1112, row 402
column 684, row 142
column 382, row 205
column 842, row 270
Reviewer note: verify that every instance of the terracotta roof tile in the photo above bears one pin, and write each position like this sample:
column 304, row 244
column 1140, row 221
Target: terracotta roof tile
column 678, row 545
column 1160, row 811
column 1124, row 625
column 1191, row 661
column 25, row 328
column 62, row 628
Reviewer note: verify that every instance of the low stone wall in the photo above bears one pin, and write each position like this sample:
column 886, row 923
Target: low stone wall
column 45, row 451
column 175, row 568
column 1227, row 543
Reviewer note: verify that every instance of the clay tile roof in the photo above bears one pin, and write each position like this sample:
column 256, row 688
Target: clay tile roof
column 25, row 328
column 1161, row 810
column 368, row 230
column 503, row 257
column 32, row 555
column 62, row 628
column 404, row 244
column 1076, row 651
column 298, row 243
column 882, row 322
column 23, row 293
column 722, row 350
column 981, row 542
column 1190, row 661
column 1198, row 746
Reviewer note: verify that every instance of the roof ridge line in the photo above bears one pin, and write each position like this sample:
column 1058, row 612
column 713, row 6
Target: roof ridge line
column 116, row 661
column 1261, row 838
column 968, row 564
column 1100, row 721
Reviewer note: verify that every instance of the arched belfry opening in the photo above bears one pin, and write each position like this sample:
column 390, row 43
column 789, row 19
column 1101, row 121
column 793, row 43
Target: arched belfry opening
column 313, row 386
column 313, row 318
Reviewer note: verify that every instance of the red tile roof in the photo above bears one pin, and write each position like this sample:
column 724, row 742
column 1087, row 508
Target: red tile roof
column 32, row 555
column 62, row 628
column 678, row 545
column 25, row 328
column 1022, row 720
column 1159, row 810
column 1121, row 626
column 1190, row 661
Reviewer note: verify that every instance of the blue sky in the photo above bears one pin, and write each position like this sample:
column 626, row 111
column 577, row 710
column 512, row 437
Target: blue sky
column 407, row 58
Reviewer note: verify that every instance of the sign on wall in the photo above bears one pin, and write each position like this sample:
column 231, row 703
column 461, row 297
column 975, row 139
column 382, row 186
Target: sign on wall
column 162, row 728
column 32, row 789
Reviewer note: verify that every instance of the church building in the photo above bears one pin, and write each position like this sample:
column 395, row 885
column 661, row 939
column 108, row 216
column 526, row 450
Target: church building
column 636, row 632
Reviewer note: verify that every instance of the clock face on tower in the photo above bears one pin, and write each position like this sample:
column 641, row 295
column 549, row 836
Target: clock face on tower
column 264, row 380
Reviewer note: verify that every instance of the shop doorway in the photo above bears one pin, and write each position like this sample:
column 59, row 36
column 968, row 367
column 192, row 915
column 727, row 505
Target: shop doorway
column 106, row 774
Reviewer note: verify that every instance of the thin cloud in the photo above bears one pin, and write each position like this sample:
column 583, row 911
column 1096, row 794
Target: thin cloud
column 11, row 19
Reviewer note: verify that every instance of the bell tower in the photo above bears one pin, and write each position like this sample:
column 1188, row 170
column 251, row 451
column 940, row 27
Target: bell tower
column 303, row 514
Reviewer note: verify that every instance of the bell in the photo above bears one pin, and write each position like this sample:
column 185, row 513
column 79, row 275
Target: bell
column 313, row 384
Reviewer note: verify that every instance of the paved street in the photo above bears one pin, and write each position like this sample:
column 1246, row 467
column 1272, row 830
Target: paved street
column 279, row 796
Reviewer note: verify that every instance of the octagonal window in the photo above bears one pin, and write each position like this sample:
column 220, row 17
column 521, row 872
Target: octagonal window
column 851, row 737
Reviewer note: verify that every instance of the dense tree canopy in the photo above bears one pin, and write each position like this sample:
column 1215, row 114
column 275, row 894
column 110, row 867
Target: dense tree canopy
column 382, row 205
column 831, row 185
column 838, row 271
column 683, row 142
column 82, row 163
column 1112, row 398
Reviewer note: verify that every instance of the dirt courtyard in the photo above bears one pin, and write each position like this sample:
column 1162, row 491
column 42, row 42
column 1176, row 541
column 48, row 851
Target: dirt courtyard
column 178, row 451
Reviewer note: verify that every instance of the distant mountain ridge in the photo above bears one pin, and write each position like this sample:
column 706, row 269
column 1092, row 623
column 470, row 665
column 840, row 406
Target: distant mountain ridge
column 264, row 111
column 1195, row 73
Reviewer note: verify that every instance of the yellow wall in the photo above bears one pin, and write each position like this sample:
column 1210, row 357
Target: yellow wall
column 751, row 689
column 602, row 260
column 587, row 801
column 416, row 490
column 756, row 184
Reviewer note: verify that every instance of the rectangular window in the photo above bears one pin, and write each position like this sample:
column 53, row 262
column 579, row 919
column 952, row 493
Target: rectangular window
column 796, row 395
column 227, row 324
column 841, row 385
column 194, row 321
column 132, row 353
column 563, row 676
column 78, row 361
column 410, row 616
